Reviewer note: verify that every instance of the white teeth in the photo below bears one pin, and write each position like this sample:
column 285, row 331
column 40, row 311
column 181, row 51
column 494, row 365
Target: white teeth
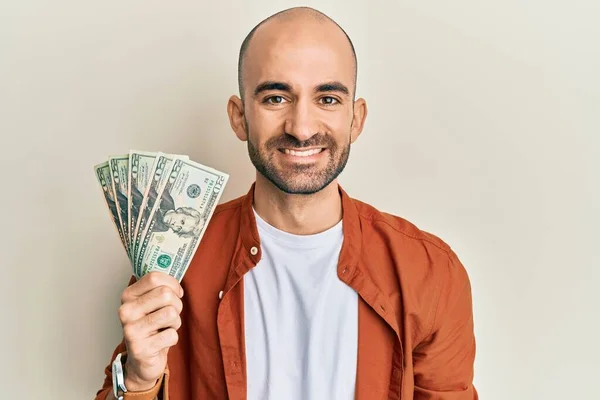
column 304, row 153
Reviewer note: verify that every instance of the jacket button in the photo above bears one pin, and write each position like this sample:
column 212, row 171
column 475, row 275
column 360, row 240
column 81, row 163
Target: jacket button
column 344, row 271
column 254, row 250
column 220, row 295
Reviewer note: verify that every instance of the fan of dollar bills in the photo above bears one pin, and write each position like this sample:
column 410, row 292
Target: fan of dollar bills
column 160, row 204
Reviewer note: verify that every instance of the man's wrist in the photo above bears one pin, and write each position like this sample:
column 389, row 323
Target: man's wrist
column 140, row 390
column 136, row 385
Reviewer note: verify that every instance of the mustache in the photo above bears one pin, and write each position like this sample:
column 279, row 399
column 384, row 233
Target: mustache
column 290, row 142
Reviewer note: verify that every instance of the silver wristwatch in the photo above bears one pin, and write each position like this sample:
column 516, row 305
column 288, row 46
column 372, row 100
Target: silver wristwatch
column 118, row 378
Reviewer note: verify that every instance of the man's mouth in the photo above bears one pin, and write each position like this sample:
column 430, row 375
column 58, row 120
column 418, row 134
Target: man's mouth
column 302, row 153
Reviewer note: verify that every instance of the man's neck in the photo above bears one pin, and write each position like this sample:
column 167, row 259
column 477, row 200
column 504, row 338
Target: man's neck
column 298, row 214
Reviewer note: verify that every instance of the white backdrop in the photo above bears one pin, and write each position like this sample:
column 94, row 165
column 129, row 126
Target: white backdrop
column 483, row 129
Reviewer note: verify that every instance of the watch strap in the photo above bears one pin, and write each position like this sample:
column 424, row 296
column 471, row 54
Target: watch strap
column 118, row 378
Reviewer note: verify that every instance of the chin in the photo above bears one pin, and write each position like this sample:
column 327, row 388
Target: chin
column 300, row 179
column 300, row 190
column 303, row 185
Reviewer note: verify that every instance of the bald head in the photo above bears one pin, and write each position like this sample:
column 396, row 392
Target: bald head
column 299, row 23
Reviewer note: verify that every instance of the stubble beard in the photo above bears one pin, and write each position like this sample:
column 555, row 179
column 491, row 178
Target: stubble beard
column 303, row 179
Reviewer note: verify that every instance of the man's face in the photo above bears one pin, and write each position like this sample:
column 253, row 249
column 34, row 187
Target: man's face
column 180, row 222
column 298, row 105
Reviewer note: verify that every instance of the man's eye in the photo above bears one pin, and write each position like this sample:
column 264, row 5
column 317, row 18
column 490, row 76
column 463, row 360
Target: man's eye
column 274, row 100
column 329, row 101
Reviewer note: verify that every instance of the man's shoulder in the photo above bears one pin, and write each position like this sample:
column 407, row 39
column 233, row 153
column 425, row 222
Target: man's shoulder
column 425, row 264
column 398, row 227
column 225, row 219
column 228, row 208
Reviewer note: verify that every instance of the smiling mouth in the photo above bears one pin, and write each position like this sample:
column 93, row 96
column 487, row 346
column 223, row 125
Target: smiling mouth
column 302, row 153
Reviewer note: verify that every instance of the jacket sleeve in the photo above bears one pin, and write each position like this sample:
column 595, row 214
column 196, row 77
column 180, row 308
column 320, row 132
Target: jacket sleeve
column 150, row 394
column 107, row 386
column 444, row 359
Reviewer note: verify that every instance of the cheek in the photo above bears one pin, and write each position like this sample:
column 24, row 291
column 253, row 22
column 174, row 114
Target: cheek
column 339, row 125
column 263, row 125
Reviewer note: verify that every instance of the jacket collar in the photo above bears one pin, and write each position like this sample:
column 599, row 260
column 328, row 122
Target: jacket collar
column 351, row 247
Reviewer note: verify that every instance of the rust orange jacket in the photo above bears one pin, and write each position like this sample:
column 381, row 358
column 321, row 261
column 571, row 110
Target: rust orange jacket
column 415, row 337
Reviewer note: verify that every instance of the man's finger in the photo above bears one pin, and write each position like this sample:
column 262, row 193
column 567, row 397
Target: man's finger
column 163, row 340
column 147, row 283
column 166, row 317
column 154, row 300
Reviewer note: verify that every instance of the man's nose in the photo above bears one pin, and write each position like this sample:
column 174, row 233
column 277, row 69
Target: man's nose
column 301, row 123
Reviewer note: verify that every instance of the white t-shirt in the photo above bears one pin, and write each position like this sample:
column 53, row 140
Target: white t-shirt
column 301, row 321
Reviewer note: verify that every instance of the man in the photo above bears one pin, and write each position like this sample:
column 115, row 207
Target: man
column 298, row 291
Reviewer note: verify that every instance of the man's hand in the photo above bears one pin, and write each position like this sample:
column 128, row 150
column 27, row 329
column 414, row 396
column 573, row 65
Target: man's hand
column 149, row 314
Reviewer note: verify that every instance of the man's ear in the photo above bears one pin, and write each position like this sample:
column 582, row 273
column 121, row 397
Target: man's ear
column 358, row 119
column 235, row 110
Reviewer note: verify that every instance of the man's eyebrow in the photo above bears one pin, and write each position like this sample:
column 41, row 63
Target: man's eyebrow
column 272, row 85
column 332, row 87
